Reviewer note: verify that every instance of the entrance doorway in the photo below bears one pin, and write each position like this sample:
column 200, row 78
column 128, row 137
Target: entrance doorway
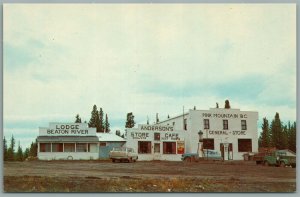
column 226, row 151
column 156, row 151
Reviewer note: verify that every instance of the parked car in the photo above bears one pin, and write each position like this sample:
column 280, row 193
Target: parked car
column 208, row 154
column 123, row 154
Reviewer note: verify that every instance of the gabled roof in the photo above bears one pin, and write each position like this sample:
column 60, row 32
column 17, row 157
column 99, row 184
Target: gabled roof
column 109, row 137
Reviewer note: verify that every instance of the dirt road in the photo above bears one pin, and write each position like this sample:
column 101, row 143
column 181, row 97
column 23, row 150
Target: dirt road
column 104, row 176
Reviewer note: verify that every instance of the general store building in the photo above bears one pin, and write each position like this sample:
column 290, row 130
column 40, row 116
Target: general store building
column 231, row 131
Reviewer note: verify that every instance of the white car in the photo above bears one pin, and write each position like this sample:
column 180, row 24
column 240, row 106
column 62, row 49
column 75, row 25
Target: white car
column 123, row 154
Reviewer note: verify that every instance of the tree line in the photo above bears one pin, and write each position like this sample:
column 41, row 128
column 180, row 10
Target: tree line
column 97, row 120
column 278, row 135
column 10, row 154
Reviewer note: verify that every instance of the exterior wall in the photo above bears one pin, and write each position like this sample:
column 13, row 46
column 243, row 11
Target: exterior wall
column 134, row 135
column 195, row 123
column 104, row 150
column 65, row 156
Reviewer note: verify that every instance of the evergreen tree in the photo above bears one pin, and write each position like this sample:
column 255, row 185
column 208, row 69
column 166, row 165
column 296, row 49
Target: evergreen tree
column 276, row 132
column 5, row 155
column 11, row 149
column 227, row 104
column 19, row 155
column 130, row 120
column 26, row 153
column 77, row 119
column 118, row 133
column 106, row 125
column 265, row 136
column 33, row 149
column 101, row 121
column 292, row 137
column 284, row 138
column 94, row 121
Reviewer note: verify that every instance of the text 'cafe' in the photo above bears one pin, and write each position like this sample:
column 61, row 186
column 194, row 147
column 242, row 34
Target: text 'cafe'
column 154, row 142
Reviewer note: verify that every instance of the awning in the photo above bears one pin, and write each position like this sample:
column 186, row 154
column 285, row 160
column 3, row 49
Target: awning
column 67, row 139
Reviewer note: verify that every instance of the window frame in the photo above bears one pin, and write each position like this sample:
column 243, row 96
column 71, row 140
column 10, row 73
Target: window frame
column 245, row 148
column 225, row 124
column 173, row 148
column 206, row 123
column 243, row 124
column 148, row 147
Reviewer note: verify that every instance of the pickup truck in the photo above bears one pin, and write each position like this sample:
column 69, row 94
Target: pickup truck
column 275, row 158
column 123, row 154
column 208, row 154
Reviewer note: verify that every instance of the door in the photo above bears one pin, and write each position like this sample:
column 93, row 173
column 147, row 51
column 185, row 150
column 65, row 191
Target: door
column 156, row 151
column 230, row 152
column 226, row 151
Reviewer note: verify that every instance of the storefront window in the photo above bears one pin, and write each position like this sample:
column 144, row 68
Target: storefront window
column 45, row 147
column 169, row 148
column 208, row 144
column 81, row 147
column 57, row 147
column 144, row 147
column 69, row 147
column 245, row 145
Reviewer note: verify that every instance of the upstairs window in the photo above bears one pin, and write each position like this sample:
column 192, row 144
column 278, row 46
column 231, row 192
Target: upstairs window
column 185, row 124
column 225, row 124
column 244, row 124
column 206, row 123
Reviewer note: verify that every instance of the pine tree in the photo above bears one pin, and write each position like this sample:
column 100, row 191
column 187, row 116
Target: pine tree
column 5, row 155
column 26, row 153
column 106, row 125
column 19, row 155
column 227, row 104
column 94, row 121
column 130, row 120
column 101, row 121
column 292, row 137
column 118, row 133
column 276, row 132
column 284, row 138
column 11, row 149
column 33, row 149
column 265, row 136
column 77, row 119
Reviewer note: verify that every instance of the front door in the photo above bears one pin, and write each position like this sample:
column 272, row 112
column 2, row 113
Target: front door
column 156, row 151
column 226, row 151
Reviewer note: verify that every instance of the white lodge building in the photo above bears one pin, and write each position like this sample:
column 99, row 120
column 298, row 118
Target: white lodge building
column 67, row 141
column 230, row 131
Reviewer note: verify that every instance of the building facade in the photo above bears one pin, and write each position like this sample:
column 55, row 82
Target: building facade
column 230, row 131
column 67, row 141
column 155, row 142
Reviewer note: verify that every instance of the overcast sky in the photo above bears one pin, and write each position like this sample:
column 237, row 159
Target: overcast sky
column 60, row 60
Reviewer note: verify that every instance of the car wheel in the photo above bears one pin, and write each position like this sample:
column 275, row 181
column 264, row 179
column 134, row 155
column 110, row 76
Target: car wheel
column 187, row 159
column 129, row 160
column 282, row 164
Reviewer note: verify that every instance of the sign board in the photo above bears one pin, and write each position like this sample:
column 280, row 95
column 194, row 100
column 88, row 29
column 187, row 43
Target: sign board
column 145, row 127
column 67, row 129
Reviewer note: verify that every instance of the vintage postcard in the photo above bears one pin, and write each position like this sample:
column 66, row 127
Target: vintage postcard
column 149, row 98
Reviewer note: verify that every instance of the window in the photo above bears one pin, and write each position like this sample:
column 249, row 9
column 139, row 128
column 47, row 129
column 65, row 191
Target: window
column 225, row 124
column 157, row 136
column 173, row 123
column 69, row 147
column 102, row 143
column 169, row 148
column 245, row 145
column 244, row 124
column 92, row 147
column 144, row 147
column 57, row 147
column 208, row 144
column 185, row 124
column 206, row 123
column 45, row 147
column 81, row 147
